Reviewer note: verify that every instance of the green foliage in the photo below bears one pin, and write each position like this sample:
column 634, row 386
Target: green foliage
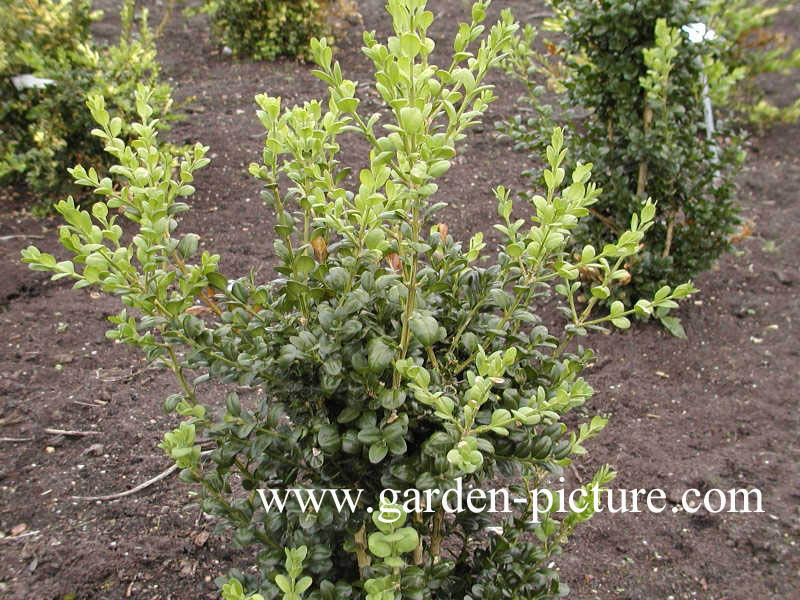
column 635, row 71
column 233, row 590
column 390, row 355
column 746, row 46
column 45, row 129
column 266, row 29
column 543, row 100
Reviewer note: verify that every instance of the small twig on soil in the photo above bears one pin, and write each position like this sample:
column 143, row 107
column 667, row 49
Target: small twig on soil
column 11, row 439
column 138, row 488
column 540, row 15
column 131, row 375
column 14, row 538
column 5, row 238
column 130, row 587
column 92, row 404
column 71, row 433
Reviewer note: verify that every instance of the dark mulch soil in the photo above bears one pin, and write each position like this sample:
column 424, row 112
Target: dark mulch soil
column 719, row 410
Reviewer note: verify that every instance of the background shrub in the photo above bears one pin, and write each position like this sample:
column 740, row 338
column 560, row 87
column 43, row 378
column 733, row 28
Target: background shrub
column 747, row 46
column 643, row 130
column 45, row 128
column 266, row 29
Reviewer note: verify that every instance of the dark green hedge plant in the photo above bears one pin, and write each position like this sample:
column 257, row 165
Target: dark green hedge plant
column 387, row 354
column 639, row 80
column 48, row 64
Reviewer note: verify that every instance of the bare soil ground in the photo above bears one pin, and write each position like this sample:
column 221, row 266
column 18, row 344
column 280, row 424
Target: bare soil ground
column 718, row 410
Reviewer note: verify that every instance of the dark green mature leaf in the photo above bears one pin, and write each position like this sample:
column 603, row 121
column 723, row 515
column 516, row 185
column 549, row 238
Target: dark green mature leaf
column 380, row 355
column 328, row 438
column 378, row 451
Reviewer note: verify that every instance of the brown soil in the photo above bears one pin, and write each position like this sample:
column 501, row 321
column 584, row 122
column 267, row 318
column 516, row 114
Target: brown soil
column 719, row 410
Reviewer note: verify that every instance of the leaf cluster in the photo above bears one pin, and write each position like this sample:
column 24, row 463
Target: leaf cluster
column 46, row 128
column 640, row 81
column 267, row 29
column 747, row 46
